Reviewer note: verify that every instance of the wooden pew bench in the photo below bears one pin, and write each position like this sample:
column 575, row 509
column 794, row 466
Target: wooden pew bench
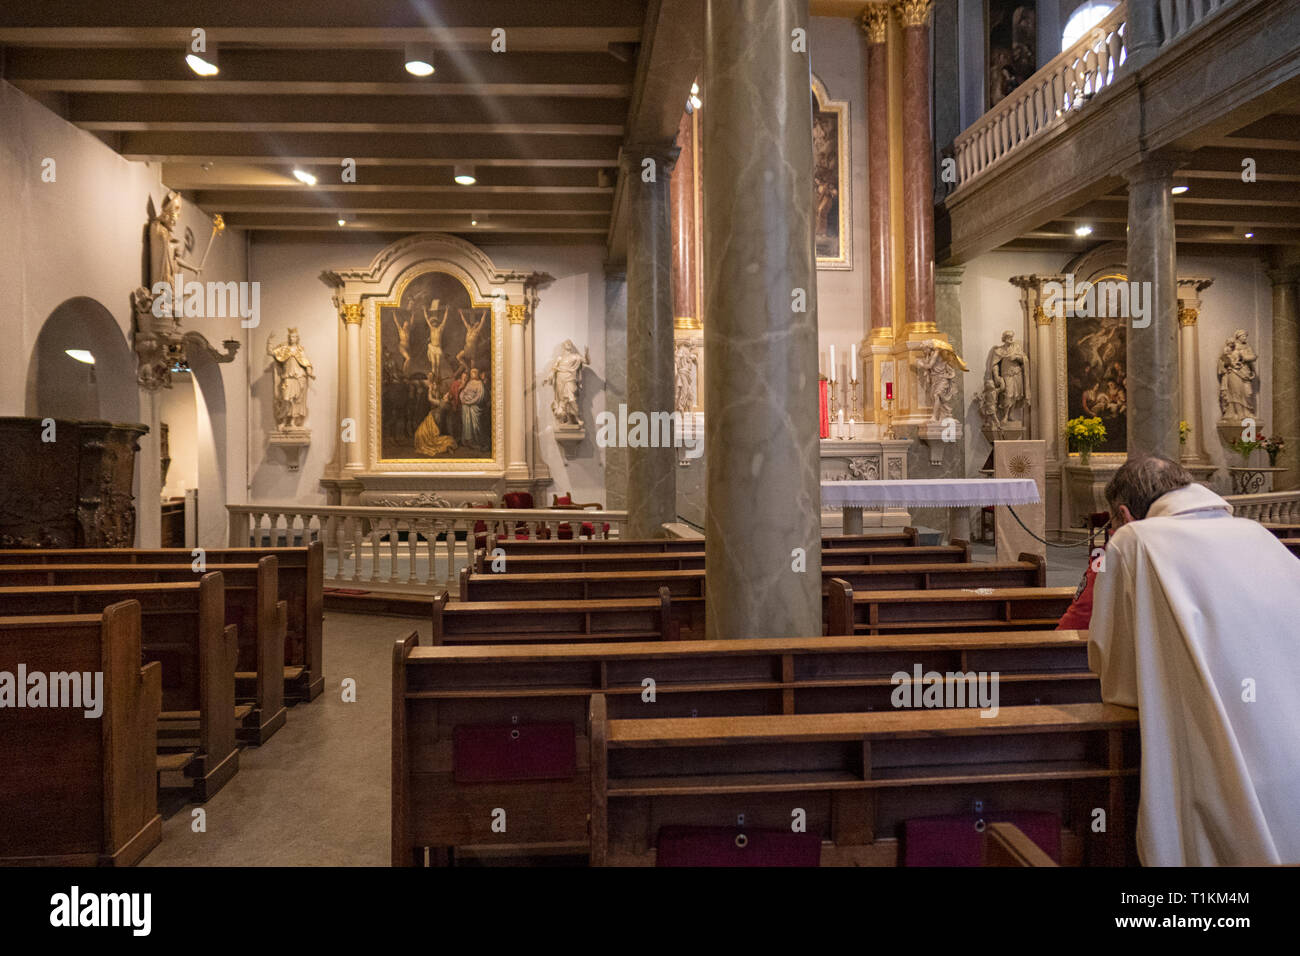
column 853, row 779
column 903, row 537
column 543, row 622
column 439, row 691
column 183, row 628
column 250, row 599
column 952, row 609
column 300, row 578
column 1005, row 844
column 955, row 553
column 78, row 791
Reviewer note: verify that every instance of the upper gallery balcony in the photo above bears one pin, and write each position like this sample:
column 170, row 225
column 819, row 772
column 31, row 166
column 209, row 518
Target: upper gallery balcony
column 1214, row 84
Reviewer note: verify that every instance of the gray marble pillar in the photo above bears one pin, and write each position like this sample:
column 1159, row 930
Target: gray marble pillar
column 1286, row 373
column 615, row 382
column 763, row 537
column 1142, row 33
column 651, row 376
column 1152, row 384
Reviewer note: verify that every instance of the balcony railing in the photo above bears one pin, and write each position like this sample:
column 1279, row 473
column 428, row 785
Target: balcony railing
column 1269, row 507
column 1179, row 16
column 401, row 548
column 1065, row 85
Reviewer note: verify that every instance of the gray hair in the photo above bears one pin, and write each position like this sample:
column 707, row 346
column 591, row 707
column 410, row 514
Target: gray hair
column 1140, row 481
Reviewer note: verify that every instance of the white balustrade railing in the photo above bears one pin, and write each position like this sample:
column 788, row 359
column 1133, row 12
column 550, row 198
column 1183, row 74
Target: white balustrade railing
column 1179, row 16
column 1042, row 102
column 1269, row 507
column 402, row 548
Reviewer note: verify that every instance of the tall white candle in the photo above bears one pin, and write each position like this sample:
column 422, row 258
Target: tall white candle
column 832, row 375
column 853, row 362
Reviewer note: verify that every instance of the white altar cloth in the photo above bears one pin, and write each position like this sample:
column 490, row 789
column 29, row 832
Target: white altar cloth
column 930, row 493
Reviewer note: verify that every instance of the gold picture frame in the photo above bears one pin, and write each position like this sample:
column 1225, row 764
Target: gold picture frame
column 832, row 187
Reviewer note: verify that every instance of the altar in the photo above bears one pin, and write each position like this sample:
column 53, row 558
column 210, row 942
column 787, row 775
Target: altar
column 865, row 457
column 854, row 496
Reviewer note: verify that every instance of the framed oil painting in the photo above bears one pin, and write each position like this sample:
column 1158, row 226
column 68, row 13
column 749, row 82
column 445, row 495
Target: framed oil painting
column 436, row 345
column 832, row 177
column 1011, row 46
column 1096, row 370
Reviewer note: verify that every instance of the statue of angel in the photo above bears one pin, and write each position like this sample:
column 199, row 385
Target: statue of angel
column 937, row 368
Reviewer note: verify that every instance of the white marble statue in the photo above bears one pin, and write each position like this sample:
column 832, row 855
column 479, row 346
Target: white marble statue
column 1237, row 374
column 565, row 375
column 1004, row 374
column 687, row 361
column 292, row 371
column 937, row 368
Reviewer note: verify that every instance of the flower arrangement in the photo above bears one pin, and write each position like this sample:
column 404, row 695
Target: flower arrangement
column 1245, row 447
column 1184, row 430
column 1274, row 445
column 1086, row 433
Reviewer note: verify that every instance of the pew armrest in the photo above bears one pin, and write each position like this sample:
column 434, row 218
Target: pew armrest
column 1005, row 844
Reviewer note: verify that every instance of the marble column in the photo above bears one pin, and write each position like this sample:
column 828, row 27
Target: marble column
column 763, row 537
column 682, row 190
column 1189, row 372
column 875, row 25
column 517, row 436
column 615, row 382
column 651, row 474
column 352, row 317
column 1286, row 373
column 1045, row 377
column 1153, row 388
column 918, row 168
column 1142, row 32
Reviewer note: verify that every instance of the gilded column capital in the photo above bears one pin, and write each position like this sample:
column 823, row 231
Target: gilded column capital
column 913, row 13
column 874, row 22
column 517, row 314
column 350, row 313
column 1188, row 316
column 1041, row 317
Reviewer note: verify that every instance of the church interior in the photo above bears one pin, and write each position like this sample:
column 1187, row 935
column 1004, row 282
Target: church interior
column 389, row 377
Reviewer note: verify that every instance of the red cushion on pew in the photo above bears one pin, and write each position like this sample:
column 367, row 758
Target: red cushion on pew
column 954, row 841
column 502, row 752
column 716, row 846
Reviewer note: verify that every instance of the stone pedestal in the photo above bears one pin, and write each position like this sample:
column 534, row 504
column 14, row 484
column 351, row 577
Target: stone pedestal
column 1021, row 459
column 1085, row 487
column 290, row 441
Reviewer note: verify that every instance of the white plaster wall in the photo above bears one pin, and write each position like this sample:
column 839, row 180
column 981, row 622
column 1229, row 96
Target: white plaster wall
column 1240, row 298
column 83, row 235
column 179, row 412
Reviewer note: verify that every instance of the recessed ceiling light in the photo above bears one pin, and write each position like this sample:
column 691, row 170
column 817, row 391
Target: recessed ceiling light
column 307, row 179
column 1248, row 235
column 81, row 355
column 1179, row 190
column 1082, row 231
column 419, row 59
column 465, row 175
column 205, row 63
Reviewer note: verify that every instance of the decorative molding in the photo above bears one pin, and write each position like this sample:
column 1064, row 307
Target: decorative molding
column 874, row 22
column 517, row 314
column 1040, row 316
column 1187, row 316
column 844, row 155
column 351, row 313
column 913, row 13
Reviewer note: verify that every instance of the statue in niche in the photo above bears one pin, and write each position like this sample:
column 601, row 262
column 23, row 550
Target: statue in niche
column 292, row 371
column 1237, row 374
column 937, row 368
column 688, row 367
column 1005, row 401
column 564, row 375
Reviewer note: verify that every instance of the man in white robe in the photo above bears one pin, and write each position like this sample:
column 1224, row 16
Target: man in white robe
column 1196, row 622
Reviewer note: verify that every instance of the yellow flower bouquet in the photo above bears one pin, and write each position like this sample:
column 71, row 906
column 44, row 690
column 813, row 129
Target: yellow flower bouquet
column 1086, row 433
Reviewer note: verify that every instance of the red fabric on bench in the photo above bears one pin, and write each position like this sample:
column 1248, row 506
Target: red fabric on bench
column 716, row 846
column 954, row 841
column 487, row 753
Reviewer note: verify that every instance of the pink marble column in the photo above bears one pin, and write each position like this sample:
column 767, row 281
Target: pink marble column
column 918, row 158
column 875, row 23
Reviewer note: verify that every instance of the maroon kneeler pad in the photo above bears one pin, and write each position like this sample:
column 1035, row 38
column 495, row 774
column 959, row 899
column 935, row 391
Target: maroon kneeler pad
column 719, row 846
column 494, row 753
column 954, row 841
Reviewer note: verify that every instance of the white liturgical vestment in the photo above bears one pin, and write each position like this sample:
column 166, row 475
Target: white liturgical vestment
column 1196, row 622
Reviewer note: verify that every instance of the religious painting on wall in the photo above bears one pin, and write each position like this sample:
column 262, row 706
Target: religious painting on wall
column 832, row 174
column 436, row 372
column 1011, row 50
column 1096, row 365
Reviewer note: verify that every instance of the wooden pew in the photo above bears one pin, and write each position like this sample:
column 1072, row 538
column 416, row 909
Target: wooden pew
column 1292, row 545
column 1005, row 844
column 301, row 576
column 78, row 791
column 954, row 609
column 543, row 622
column 250, row 599
column 440, row 689
column 855, row 777
column 183, row 628
column 903, row 537
column 957, row 552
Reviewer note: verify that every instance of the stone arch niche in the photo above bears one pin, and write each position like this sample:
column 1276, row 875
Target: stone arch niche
column 402, row 434
column 59, row 386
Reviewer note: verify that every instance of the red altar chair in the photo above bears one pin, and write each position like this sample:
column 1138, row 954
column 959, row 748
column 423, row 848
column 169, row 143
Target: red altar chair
column 524, row 499
column 588, row 529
